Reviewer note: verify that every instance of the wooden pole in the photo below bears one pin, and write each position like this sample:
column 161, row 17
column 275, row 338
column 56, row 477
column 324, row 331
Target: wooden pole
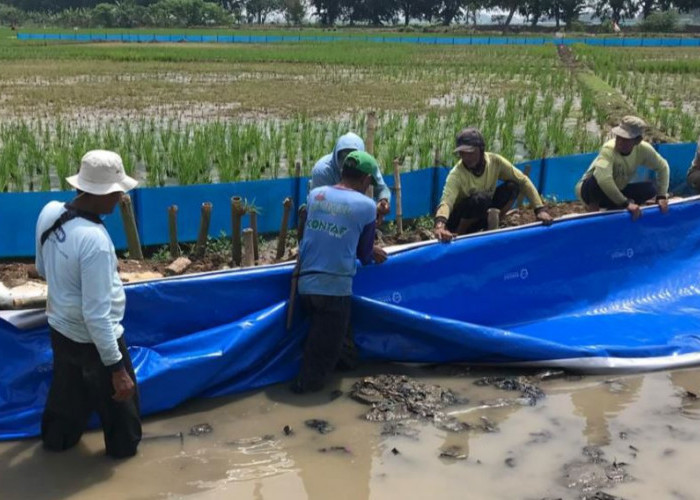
column 397, row 195
column 371, row 129
column 172, row 229
column 282, row 237
column 254, row 226
column 205, row 219
column 132, row 235
column 492, row 218
column 237, row 212
column 248, row 251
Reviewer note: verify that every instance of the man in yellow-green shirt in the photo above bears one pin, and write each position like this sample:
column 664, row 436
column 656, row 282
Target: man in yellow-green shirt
column 472, row 188
column 606, row 183
column 694, row 171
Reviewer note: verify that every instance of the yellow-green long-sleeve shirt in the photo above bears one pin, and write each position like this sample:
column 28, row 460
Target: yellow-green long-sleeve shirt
column 614, row 171
column 461, row 182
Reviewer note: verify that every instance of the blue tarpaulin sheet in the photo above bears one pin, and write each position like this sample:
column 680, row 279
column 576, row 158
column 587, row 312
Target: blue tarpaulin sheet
column 591, row 293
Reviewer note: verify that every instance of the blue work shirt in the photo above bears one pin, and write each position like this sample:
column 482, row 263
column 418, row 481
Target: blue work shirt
column 339, row 229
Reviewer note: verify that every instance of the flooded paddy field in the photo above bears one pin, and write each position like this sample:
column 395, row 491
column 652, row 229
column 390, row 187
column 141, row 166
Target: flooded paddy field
column 632, row 436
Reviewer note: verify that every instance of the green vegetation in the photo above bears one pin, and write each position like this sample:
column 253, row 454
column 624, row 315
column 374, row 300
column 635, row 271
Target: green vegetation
column 183, row 114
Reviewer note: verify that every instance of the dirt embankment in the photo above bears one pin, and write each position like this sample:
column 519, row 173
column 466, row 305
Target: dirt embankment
column 218, row 257
column 609, row 102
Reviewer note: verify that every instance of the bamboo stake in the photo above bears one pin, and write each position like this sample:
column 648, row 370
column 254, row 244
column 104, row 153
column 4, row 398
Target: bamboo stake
column 492, row 218
column 132, row 235
column 172, row 229
column 371, row 129
column 254, row 226
column 397, row 195
column 248, row 250
column 282, row 237
column 204, row 221
column 521, row 196
column 237, row 212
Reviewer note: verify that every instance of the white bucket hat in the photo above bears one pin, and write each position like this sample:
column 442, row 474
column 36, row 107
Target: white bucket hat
column 101, row 172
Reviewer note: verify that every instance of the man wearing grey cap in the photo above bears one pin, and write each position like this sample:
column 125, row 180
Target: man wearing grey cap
column 472, row 188
column 92, row 370
column 694, row 171
column 606, row 183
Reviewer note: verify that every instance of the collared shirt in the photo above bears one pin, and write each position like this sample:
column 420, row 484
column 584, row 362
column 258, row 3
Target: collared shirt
column 86, row 299
column 462, row 182
column 614, row 171
column 339, row 229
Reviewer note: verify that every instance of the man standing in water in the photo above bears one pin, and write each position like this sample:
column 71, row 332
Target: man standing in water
column 606, row 183
column 92, row 370
column 472, row 188
column 339, row 230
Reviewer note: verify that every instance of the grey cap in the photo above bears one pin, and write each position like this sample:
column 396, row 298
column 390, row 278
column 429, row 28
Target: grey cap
column 468, row 140
column 630, row 127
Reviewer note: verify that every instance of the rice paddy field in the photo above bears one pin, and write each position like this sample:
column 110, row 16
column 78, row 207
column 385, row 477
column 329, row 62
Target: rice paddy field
column 201, row 113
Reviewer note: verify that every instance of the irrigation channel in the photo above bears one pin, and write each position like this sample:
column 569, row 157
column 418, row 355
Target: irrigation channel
column 632, row 437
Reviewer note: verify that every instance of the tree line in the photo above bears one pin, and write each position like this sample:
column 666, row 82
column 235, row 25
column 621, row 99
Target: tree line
column 131, row 13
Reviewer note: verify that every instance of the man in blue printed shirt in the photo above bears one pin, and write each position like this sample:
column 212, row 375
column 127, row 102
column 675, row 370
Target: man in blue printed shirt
column 339, row 230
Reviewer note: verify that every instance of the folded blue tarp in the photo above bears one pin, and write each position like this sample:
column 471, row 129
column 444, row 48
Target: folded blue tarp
column 590, row 293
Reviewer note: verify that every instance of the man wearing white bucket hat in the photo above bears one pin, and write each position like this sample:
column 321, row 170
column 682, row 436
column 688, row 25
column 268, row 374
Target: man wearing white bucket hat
column 606, row 183
column 92, row 369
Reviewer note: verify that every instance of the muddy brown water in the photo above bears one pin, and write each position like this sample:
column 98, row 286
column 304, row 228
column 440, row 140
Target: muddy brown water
column 633, row 437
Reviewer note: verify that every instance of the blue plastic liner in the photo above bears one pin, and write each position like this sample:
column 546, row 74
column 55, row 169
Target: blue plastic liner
column 587, row 293
column 606, row 42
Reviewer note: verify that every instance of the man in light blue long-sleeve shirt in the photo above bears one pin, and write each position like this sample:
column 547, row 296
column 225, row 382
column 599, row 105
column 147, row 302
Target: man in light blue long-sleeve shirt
column 327, row 171
column 92, row 370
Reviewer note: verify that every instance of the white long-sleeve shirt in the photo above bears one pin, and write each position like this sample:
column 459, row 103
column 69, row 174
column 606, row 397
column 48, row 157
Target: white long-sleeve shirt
column 86, row 298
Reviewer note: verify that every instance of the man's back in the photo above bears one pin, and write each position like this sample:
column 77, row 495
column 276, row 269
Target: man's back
column 338, row 219
column 76, row 248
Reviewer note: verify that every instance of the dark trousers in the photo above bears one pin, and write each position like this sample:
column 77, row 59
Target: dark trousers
column 476, row 206
column 637, row 191
column 81, row 385
column 329, row 340
column 694, row 180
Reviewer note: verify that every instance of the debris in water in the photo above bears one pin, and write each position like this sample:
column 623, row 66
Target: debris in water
column 395, row 451
column 487, row 425
column 157, row 437
column 322, row 426
column 199, row 429
column 454, row 452
column 550, row 375
column 530, row 392
column 510, row 462
column 336, row 449
column 397, row 397
column 288, row 431
column 593, row 473
column 399, row 429
column 540, row 437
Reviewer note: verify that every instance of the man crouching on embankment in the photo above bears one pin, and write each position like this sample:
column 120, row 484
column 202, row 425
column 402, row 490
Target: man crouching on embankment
column 606, row 183
column 92, row 370
column 472, row 188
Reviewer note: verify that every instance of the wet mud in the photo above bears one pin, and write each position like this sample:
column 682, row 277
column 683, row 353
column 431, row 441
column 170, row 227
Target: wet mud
column 622, row 437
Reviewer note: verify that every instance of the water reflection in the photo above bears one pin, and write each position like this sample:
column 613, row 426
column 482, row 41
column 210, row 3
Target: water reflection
column 602, row 402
